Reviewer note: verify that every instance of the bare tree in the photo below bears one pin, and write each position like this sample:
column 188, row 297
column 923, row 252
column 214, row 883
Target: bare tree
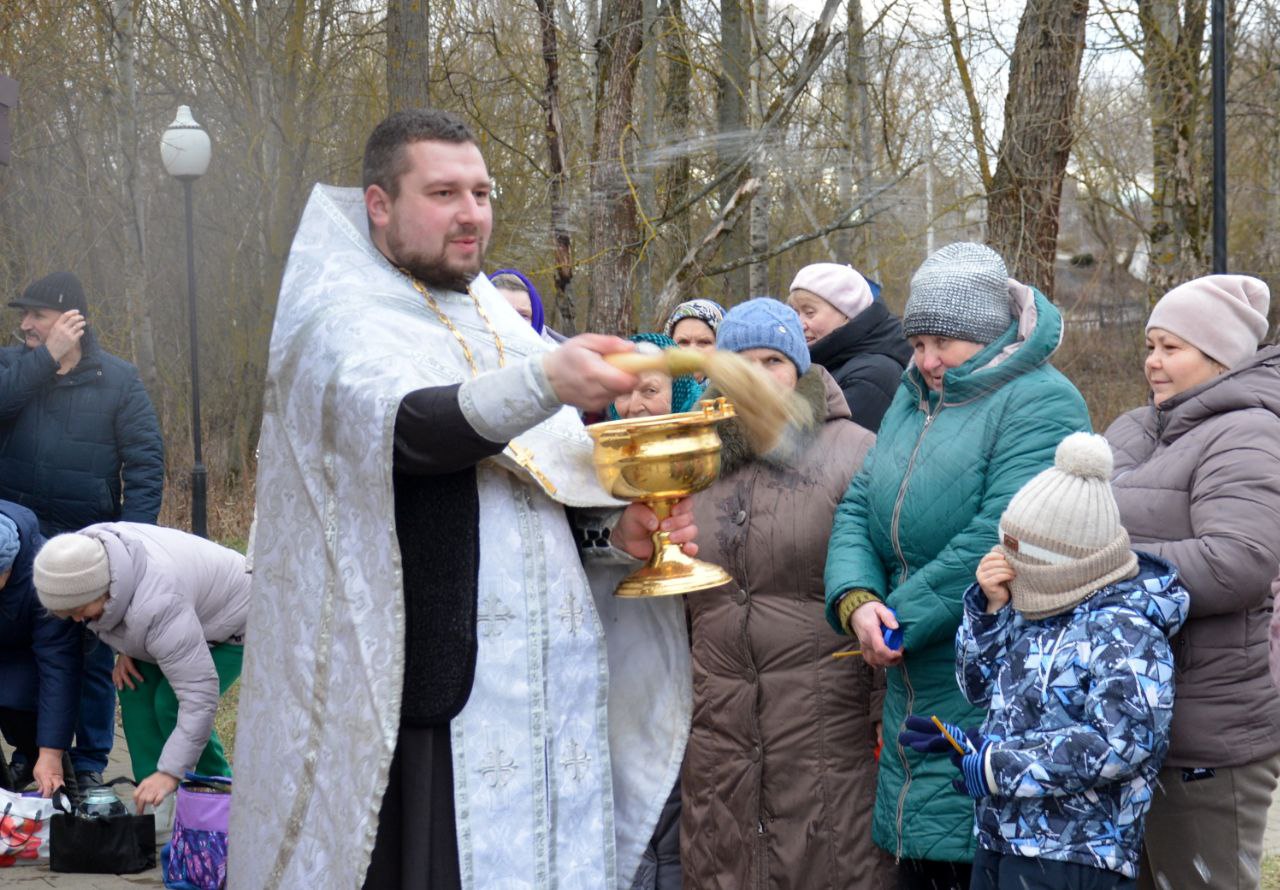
column 408, row 54
column 562, row 242
column 1025, row 192
column 1172, row 44
column 614, row 228
column 732, row 91
column 124, row 101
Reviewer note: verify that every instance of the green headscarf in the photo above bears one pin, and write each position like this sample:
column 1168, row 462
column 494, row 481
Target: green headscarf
column 685, row 391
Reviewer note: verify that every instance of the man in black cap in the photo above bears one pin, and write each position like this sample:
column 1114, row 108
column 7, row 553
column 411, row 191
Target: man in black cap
column 79, row 444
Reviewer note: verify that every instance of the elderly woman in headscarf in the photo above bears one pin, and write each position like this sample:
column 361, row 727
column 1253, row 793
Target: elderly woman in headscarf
column 656, row 392
column 39, row 663
column 523, row 297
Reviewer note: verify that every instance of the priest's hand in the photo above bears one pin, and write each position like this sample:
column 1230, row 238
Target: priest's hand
column 581, row 378
column 638, row 522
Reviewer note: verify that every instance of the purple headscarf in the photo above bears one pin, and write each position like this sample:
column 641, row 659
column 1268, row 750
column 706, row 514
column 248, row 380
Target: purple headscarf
column 535, row 302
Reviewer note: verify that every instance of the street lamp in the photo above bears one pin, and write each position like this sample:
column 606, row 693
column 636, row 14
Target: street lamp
column 185, row 150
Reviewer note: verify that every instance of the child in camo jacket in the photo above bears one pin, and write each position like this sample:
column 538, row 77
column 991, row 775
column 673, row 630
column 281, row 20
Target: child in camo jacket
column 1078, row 680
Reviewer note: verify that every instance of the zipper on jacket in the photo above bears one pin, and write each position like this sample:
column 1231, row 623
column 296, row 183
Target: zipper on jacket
column 902, row 755
column 902, row 490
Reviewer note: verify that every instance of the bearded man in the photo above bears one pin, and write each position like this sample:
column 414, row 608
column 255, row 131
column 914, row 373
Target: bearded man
column 428, row 698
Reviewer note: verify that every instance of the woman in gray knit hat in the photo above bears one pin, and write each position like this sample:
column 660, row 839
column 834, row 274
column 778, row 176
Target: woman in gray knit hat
column 1197, row 479
column 978, row 414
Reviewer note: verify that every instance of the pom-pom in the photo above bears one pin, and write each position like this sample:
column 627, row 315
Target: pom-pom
column 1084, row 454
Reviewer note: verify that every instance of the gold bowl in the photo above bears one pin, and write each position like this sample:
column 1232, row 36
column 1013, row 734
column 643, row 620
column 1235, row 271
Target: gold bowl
column 660, row 460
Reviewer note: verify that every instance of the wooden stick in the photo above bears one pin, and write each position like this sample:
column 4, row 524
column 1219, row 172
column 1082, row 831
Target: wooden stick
column 949, row 737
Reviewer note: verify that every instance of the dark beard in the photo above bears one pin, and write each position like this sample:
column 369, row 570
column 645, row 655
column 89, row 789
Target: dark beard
column 433, row 271
column 438, row 274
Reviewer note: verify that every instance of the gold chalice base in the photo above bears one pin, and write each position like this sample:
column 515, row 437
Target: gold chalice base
column 660, row 460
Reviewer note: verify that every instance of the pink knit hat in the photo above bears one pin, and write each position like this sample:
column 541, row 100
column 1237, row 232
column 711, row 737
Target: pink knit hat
column 839, row 285
column 1223, row 316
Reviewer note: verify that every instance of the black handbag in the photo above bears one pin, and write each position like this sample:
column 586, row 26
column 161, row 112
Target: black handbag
column 115, row 845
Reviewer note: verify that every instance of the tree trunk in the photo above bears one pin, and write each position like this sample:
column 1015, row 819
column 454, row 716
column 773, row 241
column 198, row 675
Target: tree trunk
column 408, row 54
column 858, row 164
column 1044, row 77
column 1175, row 93
column 675, row 115
column 125, row 101
column 614, row 228
column 732, row 85
column 758, row 272
column 562, row 243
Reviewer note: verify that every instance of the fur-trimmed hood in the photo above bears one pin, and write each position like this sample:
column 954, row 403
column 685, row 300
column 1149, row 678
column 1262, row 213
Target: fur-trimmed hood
column 819, row 391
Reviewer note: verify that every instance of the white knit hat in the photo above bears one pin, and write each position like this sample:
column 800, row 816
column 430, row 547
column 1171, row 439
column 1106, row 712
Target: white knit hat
column 70, row 571
column 836, row 283
column 1062, row 534
column 1223, row 316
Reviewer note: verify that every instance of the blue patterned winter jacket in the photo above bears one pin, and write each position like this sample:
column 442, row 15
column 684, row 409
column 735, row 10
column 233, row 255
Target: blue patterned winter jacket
column 1079, row 707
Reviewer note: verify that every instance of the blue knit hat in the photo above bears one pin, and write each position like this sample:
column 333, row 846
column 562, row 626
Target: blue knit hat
column 10, row 543
column 764, row 323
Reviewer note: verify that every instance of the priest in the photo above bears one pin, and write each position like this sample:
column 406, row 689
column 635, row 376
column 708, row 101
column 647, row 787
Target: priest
column 440, row 690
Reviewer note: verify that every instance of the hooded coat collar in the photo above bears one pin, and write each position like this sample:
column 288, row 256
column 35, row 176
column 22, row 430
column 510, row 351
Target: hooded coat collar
column 1255, row 383
column 128, row 563
column 873, row 331
column 1030, row 340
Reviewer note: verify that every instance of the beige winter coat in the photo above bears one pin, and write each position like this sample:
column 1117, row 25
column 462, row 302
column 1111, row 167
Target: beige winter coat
column 779, row 775
column 1198, row 482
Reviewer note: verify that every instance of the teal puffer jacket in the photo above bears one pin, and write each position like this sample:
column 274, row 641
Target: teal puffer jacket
column 912, row 527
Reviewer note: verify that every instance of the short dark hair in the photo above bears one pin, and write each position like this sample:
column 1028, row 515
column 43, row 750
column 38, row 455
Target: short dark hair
column 384, row 160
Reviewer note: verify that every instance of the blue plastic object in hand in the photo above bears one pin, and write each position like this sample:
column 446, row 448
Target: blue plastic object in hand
column 892, row 635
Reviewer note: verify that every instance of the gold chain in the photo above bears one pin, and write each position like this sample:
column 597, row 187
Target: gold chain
column 457, row 334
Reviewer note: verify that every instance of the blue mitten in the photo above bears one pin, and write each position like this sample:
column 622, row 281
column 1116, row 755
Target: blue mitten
column 973, row 781
column 922, row 734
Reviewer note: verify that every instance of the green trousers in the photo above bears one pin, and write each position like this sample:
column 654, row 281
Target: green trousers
column 149, row 714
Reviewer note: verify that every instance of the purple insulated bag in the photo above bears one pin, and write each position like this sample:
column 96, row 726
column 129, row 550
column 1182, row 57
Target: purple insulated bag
column 196, row 856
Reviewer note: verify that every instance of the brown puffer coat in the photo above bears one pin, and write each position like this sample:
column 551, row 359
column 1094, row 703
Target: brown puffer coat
column 1198, row 482
column 779, row 775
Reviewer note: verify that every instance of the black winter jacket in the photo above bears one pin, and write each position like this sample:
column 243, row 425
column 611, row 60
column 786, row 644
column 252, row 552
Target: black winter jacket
column 79, row 448
column 867, row 356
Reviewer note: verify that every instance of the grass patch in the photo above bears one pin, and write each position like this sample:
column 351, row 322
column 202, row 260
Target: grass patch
column 225, row 720
column 1270, row 873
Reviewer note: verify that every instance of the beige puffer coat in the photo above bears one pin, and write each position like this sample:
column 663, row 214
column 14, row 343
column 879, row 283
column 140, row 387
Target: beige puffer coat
column 1198, row 483
column 779, row 775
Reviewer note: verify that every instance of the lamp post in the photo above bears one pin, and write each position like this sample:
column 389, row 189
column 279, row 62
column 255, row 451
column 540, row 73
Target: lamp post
column 1218, row 63
column 185, row 151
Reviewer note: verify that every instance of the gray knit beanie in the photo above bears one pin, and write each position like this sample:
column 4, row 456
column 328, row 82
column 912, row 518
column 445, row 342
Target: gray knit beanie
column 1062, row 534
column 764, row 323
column 961, row 291
column 70, row 571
